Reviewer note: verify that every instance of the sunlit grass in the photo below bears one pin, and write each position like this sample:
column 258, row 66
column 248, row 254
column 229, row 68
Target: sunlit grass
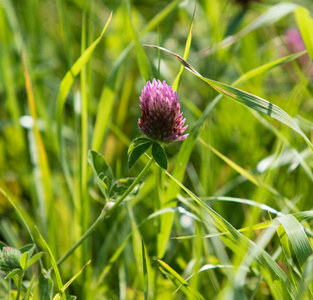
column 230, row 218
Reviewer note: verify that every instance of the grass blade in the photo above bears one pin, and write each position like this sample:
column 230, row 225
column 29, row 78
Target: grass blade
column 305, row 25
column 145, row 271
column 178, row 172
column 297, row 238
column 107, row 96
column 186, row 53
column 233, row 165
column 266, row 67
column 68, row 80
column 65, row 87
column 66, row 285
column 306, row 283
column 22, row 214
column 142, row 60
column 244, row 98
column 179, row 281
column 272, row 15
column 277, row 280
column 54, row 264
column 188, row 145
column 44, row 188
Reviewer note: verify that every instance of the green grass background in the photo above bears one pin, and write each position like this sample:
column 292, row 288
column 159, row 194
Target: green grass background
column 237, row 169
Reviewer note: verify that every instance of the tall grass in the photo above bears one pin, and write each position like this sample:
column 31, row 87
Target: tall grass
column 230, row 218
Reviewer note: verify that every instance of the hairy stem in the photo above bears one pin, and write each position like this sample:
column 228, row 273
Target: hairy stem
column 106, row 213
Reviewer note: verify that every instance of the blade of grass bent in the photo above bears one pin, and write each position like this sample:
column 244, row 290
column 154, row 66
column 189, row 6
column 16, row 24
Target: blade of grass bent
column 277, row 280
column 187, row 146
column 260, row 226
column 243, row 201
column 244, row 98
column 258, row 71
column 297, row 238
column 179, row 171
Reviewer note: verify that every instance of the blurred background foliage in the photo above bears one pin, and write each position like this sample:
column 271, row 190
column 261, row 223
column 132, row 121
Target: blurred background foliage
column 50, row 36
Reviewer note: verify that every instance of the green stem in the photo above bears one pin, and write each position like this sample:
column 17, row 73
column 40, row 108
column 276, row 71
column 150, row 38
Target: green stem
column 19, row 285
column 9, row 289
column 131, row 187
column 106, row 213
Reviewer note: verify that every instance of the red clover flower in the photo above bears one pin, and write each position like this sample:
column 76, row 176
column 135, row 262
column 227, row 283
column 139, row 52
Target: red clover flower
column 294, row 41
column 161, row 119
column 294, row 44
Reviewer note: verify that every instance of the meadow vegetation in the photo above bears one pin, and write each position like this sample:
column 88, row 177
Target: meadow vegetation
column 227, row 214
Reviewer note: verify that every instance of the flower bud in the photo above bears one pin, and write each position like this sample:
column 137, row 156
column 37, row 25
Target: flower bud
column 10, row 258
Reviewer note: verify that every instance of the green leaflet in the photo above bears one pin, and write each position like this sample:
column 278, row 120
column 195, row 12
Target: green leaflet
column 136, row 152
column 159, row 155
column 102, row 171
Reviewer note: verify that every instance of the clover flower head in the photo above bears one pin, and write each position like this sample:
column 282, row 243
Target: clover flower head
column 10, row 259
column 161, row 119
column 294, row 41
column 294, row 44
